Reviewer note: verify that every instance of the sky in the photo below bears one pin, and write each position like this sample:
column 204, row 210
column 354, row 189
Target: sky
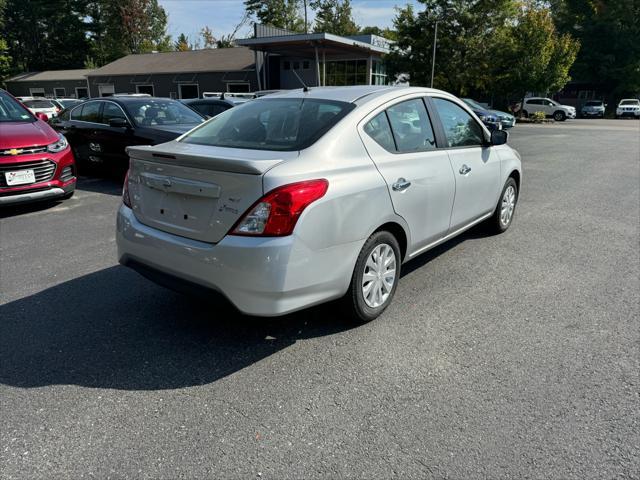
column 189, row 16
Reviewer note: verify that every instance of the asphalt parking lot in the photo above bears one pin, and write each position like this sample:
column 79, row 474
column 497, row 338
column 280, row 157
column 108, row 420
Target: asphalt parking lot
column 511, row 356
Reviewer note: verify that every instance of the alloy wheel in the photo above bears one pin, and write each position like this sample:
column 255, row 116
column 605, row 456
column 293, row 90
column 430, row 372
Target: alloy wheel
column 379, row 275
column 508, row 205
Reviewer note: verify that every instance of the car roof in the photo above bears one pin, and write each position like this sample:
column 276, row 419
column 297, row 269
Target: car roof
column 352, row 94
column 209, row 100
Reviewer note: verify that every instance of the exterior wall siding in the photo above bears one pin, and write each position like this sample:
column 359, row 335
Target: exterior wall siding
column 21, row 89
column 168, row 85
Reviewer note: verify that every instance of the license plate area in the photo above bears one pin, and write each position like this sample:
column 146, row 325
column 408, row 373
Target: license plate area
column 20, row 177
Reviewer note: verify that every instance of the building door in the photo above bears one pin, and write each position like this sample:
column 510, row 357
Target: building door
column 273, row 83
column 188, row 90
column 106, row 90
column 82, row 92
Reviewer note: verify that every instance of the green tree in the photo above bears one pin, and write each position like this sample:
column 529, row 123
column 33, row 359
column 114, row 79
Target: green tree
column 334, row 16
column 466, row 42
column 39, row 33
column 534, row 56
column 277, row 13
column 609, row 32
column 144, row 25
column 387, row 33
column 182, row 44
column 5, row 59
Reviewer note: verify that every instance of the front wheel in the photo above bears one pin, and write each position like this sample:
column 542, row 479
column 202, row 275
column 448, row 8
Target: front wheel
column 375, row 277
column 503, row 214
column 559, row 116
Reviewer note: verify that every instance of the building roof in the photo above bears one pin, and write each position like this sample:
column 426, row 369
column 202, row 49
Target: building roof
column 208, row 60
column 51, row 76
column 289, row 41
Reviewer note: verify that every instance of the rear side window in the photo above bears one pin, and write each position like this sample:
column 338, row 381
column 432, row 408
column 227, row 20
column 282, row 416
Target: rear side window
column 379, row 129
column 411, row 126
column 111, row 111
column 90, row 112
column 460, row 129
column 283, row 124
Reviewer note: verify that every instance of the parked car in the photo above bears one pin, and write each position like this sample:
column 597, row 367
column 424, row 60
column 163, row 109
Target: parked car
column 628, row 107
column 36, row 162
column 208, row 107
column 490, row 119
column 289, row 201
column 63, row 103
column 100, row 130
column 506, row 119
column 549, row 107
column 593, row 108
column 40, row 105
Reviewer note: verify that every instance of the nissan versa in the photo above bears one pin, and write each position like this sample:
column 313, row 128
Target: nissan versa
column 36, row 162
column 302, row 197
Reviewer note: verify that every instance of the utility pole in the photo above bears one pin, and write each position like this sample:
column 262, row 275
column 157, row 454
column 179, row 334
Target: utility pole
column 306, row 23
column 433, row 59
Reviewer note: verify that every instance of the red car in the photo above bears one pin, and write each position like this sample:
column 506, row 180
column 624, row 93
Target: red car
column 36, row 162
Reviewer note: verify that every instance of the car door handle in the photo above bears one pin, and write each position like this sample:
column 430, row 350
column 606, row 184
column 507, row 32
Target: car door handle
column 464, row 169
column 401, row 185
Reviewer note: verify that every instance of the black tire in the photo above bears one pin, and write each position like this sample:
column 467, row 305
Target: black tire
column 559, row 116
column 354, row 301
column 525, row 114
column 495, row 223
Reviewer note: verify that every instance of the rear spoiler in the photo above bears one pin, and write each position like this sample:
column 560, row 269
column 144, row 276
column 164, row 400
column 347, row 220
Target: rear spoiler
column 204, row 157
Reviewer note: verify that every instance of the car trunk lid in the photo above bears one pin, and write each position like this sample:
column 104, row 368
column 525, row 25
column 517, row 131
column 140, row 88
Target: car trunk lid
column 196, row 191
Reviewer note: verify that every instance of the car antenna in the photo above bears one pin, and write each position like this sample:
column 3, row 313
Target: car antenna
column 305, row 88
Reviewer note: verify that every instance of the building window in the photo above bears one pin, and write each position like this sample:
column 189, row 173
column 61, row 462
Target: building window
column 106, row 90
column 286, row 65
column 378, row 73
column 82, row 92
column 59, row 92
column 36, row 92
column 296, row 65
column 238, row 87
column 148, row 89
column 305, row 65
column 189, row 90
column 346, row 72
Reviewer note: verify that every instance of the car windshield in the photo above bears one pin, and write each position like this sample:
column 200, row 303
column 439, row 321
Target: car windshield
column 12, row 111
column 593, row 104
column 630, row 102
column 154, row 112
column 283, row 124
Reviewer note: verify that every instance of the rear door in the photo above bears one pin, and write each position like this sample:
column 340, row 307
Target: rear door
column 401, row 142
column 475, row 164
column 113, row 141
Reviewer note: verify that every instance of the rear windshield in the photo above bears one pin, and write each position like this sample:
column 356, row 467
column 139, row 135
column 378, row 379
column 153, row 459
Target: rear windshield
column 38, row 104
column 282, row 124
column 12, row 111
column 151, row 112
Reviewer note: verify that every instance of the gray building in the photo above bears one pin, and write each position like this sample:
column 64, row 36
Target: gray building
column 272, row 59
column 287, row 59
column 51, row 84
column 177, row 74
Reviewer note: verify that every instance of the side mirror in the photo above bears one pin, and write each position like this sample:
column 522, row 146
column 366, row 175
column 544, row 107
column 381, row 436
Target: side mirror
column 42, row 116
column 499, row 137
column 118, row 122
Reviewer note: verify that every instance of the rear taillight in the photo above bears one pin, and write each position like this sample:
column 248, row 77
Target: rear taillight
column 125, row 191
column 276, row 213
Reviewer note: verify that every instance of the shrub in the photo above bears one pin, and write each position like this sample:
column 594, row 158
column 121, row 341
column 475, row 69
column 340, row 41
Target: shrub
column 538, row 117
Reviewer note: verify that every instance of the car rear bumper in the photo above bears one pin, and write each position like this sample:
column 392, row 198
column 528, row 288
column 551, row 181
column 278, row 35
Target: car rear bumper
column 259, row 276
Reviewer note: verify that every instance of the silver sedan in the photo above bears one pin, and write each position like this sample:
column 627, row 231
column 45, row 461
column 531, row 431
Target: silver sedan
column 306, row 196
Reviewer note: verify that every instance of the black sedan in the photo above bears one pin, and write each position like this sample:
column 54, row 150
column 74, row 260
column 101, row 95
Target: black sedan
column 209, row 107
column 99, row 130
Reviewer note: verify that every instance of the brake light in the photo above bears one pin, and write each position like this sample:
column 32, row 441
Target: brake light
column 125, row 191
column 277, row 212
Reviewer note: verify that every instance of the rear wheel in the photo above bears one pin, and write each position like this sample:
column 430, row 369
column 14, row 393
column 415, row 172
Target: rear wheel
column 559, row 116
column 503, row 214
column 525, row 114
column 375, row 277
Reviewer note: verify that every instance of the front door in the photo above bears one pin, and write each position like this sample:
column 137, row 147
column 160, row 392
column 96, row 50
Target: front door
column 475, row 165
column 401, row 142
